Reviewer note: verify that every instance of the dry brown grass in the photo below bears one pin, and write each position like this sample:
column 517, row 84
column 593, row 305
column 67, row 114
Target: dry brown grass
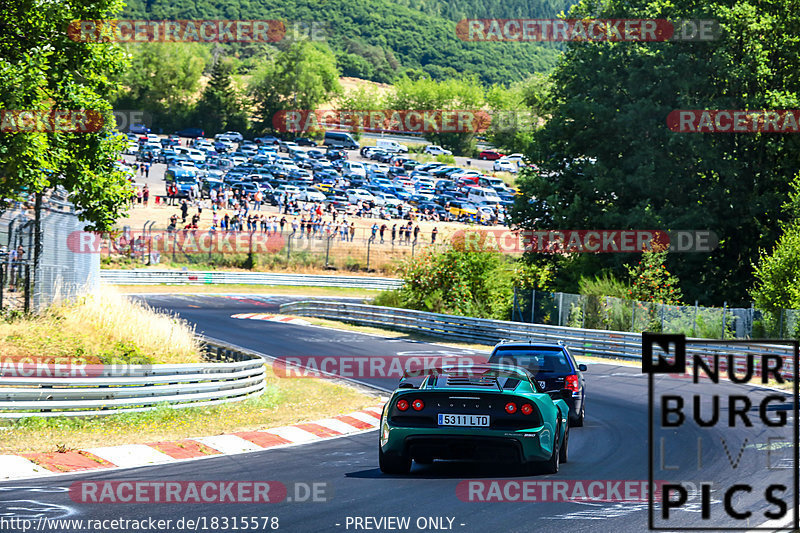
column 103, row 326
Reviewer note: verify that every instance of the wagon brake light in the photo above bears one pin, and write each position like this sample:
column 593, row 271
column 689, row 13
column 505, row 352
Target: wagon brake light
column 571, row 382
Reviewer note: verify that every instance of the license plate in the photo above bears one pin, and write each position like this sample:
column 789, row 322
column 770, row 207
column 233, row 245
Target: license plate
column 464, row 420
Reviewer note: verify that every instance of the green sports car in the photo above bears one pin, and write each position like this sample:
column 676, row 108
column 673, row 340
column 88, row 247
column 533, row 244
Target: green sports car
column 485, row 412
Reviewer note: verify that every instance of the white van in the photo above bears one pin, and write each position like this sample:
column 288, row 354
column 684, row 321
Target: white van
column 391, row 146
column 479, row 195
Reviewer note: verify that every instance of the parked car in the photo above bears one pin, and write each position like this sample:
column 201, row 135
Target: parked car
column 360, row 195
column 504, row 165
column 233, row 136
column 191, row 133
column 305, row 141
column 139, row 128
column 491, row 155
column 434, row 149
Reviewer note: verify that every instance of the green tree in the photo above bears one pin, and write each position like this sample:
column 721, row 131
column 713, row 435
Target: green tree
column 163, row 79
column 517, row 111
column 449, row 95
column 466, row 277
column 42, row 68
column 651, row 281
column 220, row 107
column 362, row 98
column 609, row 160
column 777, row 273
column 301, row 77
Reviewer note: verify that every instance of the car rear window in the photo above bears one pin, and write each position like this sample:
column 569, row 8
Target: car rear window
column 535, row 360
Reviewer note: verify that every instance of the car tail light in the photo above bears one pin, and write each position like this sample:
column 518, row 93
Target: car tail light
column 402, row 405
column 526, row 409
column 418, row 405
column 511, row 408
column 571, row 382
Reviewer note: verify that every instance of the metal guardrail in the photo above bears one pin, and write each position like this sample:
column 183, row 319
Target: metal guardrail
column 587, row 342
column 155, row 277
column 108, row 389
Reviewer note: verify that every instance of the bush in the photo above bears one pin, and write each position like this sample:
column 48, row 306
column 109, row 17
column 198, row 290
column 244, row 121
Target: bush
column 465, row 277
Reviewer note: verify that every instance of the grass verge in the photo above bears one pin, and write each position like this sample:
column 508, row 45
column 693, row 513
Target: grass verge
column 101, row 327
column 285, row 401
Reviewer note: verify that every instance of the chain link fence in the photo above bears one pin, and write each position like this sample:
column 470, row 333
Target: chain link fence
column 60, row 273
column 326, row 246
column 617, row 314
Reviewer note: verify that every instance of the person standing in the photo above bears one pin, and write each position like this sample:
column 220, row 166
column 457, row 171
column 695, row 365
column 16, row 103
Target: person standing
column 352, row 231
column 434, row 233
column 416, row 233
column 146, row 195
column 184, row 211
column 394, row 233
column 147, row 170
column 382, row 231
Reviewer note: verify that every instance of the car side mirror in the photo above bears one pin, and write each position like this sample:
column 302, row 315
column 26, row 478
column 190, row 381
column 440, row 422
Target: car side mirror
column 583, row 368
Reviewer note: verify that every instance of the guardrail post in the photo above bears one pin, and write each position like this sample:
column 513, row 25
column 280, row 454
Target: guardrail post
column 369, row 242
column 533, row 304
column 724, row 308
column 27, row 305
column 694, row 320
column 328, row 250
column 633, row 315
column 288, row 248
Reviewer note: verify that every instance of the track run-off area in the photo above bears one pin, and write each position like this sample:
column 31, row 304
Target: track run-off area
column 610, row 451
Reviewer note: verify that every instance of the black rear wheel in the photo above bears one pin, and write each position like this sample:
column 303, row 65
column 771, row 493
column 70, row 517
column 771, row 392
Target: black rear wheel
column 393, row 464
column 551, row 465
column 562, row 453
column 577, row 421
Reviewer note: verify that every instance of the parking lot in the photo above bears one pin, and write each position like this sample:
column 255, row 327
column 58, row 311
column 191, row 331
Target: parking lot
column 312, row 184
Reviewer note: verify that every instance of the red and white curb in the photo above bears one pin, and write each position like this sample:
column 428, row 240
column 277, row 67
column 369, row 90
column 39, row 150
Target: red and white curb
column 273, row 318
column 30, row 465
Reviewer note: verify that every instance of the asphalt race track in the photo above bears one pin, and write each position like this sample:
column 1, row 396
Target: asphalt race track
column 611, row 446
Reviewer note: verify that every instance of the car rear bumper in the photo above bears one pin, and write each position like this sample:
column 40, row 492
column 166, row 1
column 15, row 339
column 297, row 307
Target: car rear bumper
column 457, row 443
